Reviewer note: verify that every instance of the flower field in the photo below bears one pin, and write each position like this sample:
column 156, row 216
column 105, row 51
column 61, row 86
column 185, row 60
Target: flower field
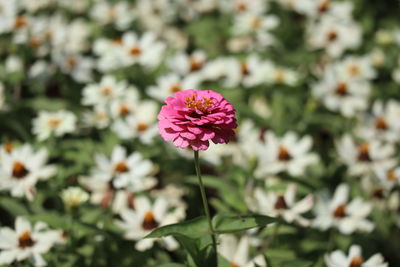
column 207, row 133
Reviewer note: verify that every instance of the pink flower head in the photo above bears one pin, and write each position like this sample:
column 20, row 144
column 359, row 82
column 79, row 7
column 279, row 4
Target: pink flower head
column 193, row 117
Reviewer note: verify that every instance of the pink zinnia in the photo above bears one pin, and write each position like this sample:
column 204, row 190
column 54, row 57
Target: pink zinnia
column 193, row 117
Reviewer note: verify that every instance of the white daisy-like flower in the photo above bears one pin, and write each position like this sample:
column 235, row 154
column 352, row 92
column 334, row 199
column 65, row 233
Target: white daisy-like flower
column 334, row 36
column 119, row 14
column 169, row 84
column 73, row 197
column 288, row 153
column 79, row 67
column 282, row 205
column 56, row 123
column 363, row 158
column 344, row 96
column 345, row 215
column 125, row 171
column 248, row 23
column 146, row 217
column 26, row 241
column 126, row 105
column 141, row 124
column 388, row 178
column 144, row 50
column 98, row 117
column 237, row 251
column 383, row 124
column 108, row 89
column 355, row 68
column 188, row 64
column 22, row 168
column 355, row 259
column 244, row 6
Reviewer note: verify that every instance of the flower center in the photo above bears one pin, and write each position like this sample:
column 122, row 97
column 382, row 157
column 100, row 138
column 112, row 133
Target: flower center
column 356, row 262
column 8, row 147
column 241, row 6
column 25, row 240
column 149, row 222
column 279, row 75
column 341, row 89
column 19, row 171
column 234, row 264
column 123, row 110
column 354, row 70
column 331, row 36
column 106, row 91
column 195, row 104
column 391, row 175
column 244, row 68
column 20, row 22
column 53, row 123
column 142, row 127
column 175, row 88
column 283, row 154
column 280, row 203
column 381, row 124
column 378, row 193
column 363, row 153
column 72, row 62
column 195, row 64
column 256, row 23
column 121, row 167
column 340, row 211
column 324, row 6
column 135, row 51
column 34, row 42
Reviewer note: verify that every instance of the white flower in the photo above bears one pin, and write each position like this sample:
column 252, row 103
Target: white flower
column 13, row 64
column 335, row 36
column 146, row 217
column 98, row 117
column 251, row 23
column 141, row 124
column 344, row 96
column 108, row 89
column 388, row 178
column 185, row 64
column 123, row 171
column 73, row 197
column 169, row 84
column 56, row 123
column 8, row 15
column 273, row 204
column 26, row 242
column 363, row 158
column 383, row 124
column 288, row 153
column 79, row 67
column 236, row 251
column 127, row 104
column 355, row 68
column 244, row 6
column 22, row 168
column 355, row 258
column 120, row 14
column 339, row 212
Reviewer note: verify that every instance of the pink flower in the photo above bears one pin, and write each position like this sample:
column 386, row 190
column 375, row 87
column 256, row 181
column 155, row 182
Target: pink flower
column 193, row 117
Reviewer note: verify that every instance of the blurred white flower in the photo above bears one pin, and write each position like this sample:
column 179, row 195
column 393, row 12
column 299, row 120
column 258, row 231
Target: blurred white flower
column 125, row 171
column 363, row 158
column 185, row 64
column 146, row 217
column 21, row 168
column 120, row 14
column 355, row 68
column 171, row 83
column 26, row 241
column 105, row 91
column 56, row 123
column 73, row 197
column 341, row 213
column 282, row 205
column 340, row 95
column 355, row 259
column 288, row 153
column 237, row 251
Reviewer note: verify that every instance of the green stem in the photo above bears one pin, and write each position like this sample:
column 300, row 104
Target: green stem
column 205, row 204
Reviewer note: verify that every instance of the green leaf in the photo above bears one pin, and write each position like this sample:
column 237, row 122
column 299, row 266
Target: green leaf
column 296, row 263
column 172, row 265
column 229, row 223
column 13, row 206
column 195, row 228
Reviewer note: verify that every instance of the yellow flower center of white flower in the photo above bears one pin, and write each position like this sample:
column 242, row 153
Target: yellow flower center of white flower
column 234, row 264
column 341, row 89
column 391, row 175
column 121, row 167
column 19, row 170
column 356, row 262
column 283, row 154
column 340, row 211
column 280, row 203
column 175, row 88
column 25, row 240
column 53, row 123
column 354, row 70
column 149, row 222
column 363, row 153
column 8, row 147
column 381, row 124
column 20, row 21
column 332, row 36
column 142, row 127
column 124, row 110
column 106, row 91
column 195, row 64
column 135, row 50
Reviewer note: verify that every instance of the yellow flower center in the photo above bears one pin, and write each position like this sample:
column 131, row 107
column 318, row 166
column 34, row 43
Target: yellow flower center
column 25, row 240
column 193, row 103
column 149, row 222
column 121, row 167
column 19, row 170
column 356, row 262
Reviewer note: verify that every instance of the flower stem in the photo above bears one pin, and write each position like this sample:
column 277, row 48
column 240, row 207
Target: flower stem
column 205, row 204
